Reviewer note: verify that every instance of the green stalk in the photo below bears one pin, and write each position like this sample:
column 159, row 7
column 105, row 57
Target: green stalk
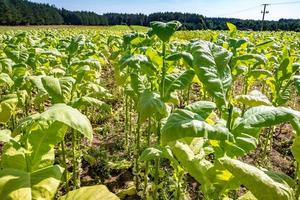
column 164, row 70
column 178, row 189
column 268, row 143
column 147, row 162
column 79, row 156
column 298, row 184
column 64, row 163
column 188, row 94
column 245, row 92
column 230, row 109
column 137, row 151
column 130, row 119
column 13, row 120
column 126, row 122
column 76, row 180
column 157, row 163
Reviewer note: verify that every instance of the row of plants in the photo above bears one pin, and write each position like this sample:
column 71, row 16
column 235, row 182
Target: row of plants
column 191, row 108
column 243, row 88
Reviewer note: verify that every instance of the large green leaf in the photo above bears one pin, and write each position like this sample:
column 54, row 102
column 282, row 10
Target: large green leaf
column 211, row 66
column 96, row 192
column 254, row 98
column 150, row 105
column 75, row 44
column 184, row 124
column 265, row 116
column 260, row 59
column 93, row 63
column 62, row 113
column 197, row 168
column 17, row 56
column 7, row 109
column 6, row 80
column 284, row 70
column 152, row 153
column 164, row 30
column 41, row 140
column 14, row 156
column 138, row 62
column 177, row 82
column 202, row 108
column 187, row 57
column 90, row 101
column 70, row 117
column 247, row 128
column 137, row 83
column 232, row 28
column 52, row 86
column 22, row 185
column 66, row 85
column 261, row 185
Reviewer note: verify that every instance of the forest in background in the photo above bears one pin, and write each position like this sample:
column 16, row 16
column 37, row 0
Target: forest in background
column 23, row 12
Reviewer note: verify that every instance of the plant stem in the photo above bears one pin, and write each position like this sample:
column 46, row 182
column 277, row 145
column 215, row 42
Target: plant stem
column 147, row 162
column 157, row 162
column 188, row 94
column 76, row 180
column 126, row 122
column 230, row 109
column 245, row 92
column 297, row 181
column 162, row 94
column 130, row 119
column 137, row 151
column 267, row 143
column 64, row 162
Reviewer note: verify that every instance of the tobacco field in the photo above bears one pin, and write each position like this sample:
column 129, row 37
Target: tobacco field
column 104, row 113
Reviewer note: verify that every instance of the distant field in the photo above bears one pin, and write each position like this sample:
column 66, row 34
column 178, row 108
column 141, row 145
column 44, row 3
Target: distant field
column 126, row 113
column 121, row 28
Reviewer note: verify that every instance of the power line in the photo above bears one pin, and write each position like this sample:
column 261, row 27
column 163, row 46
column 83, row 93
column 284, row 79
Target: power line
column 256, row 7
column 285, row 3
column 240, row 11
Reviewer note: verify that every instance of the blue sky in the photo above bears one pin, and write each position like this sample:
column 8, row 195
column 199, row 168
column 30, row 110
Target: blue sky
column 245, row 9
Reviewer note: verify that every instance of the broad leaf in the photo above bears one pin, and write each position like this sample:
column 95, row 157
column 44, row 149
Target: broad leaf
column 64, row 114
column 52, row 86
column 254, row 98
column 164, row 30
column 232, row 28
column 177, row 82
column 261, row 185
column 152, row 153
column 211, row 66
column 96, row 192
column 187, row 57
column 22, row 185
column 90, row 101
column 150, row 105
column 202, row 108
column 184, row 124
column 6, row 80
column 7, row 109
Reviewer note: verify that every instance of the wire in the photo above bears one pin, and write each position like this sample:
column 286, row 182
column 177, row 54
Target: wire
column 240, row 11
column 255, row 7
column 283, row 3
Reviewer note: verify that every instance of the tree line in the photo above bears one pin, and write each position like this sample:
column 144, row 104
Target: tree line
column 23, row 12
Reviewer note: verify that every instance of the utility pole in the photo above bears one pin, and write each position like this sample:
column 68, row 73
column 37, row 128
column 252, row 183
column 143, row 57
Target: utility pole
column 264, row 12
